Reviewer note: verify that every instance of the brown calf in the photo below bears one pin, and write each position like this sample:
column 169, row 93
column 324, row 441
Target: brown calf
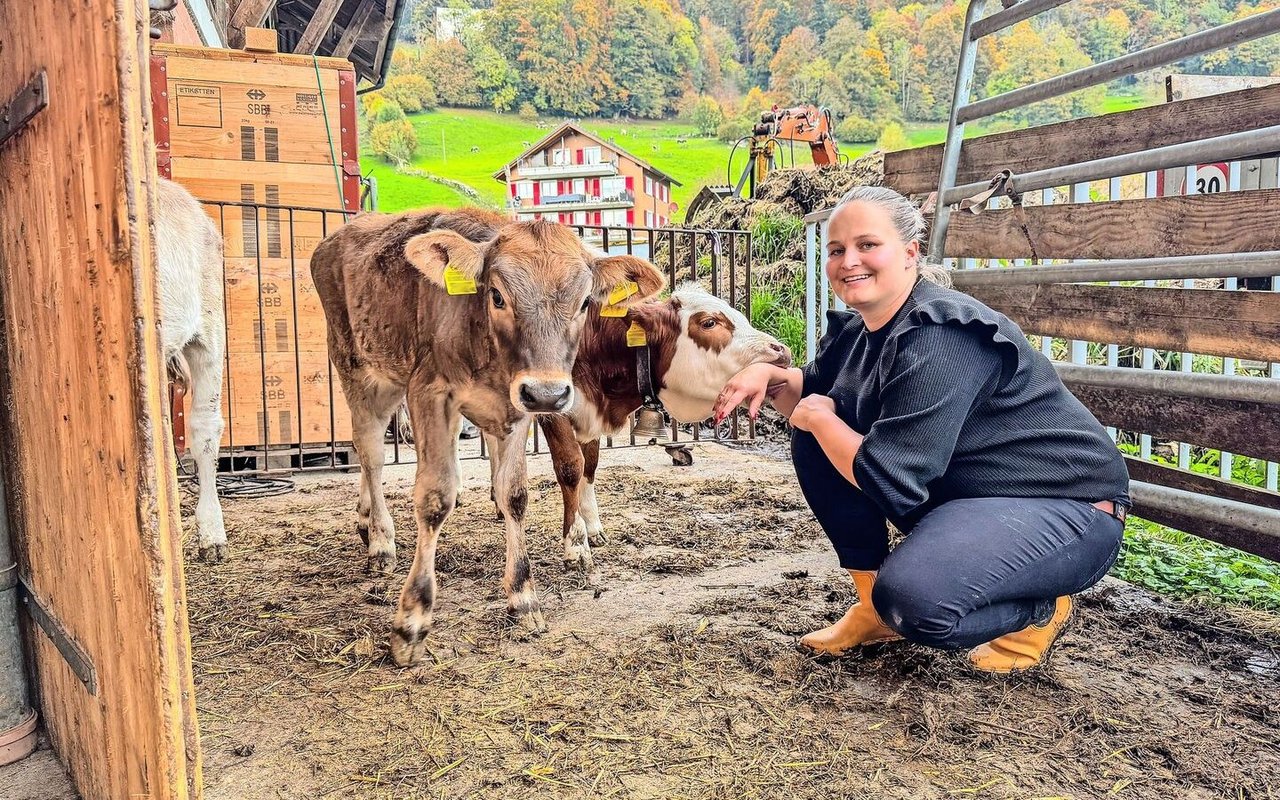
column 467, row 313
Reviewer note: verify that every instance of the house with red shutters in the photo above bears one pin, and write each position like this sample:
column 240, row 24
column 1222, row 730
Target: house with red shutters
column 573, row 177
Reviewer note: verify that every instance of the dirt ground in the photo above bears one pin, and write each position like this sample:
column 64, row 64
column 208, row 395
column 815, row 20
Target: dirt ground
column 672, row 671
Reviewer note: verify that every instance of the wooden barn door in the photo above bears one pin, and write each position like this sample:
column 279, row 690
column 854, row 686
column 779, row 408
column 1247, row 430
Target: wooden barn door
column 89, row 476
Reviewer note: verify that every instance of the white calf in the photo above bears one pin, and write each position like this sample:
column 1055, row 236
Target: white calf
column 193, row 335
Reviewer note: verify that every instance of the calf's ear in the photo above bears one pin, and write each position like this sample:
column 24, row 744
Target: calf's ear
column 612, row 272
column 431, row 253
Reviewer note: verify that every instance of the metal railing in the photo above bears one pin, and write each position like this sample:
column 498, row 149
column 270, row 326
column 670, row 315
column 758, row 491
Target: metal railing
column 282, row 402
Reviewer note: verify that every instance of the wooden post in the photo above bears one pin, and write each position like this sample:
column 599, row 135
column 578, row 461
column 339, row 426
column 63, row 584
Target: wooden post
column 88, row 463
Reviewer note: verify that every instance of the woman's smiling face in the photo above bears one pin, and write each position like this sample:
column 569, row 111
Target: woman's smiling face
column 870, row 268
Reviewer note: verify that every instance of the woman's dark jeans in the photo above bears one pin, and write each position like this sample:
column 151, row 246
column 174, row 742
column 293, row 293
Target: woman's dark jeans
column 970, row 570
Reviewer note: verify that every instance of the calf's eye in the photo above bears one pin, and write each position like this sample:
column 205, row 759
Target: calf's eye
column 585, row 304
column 498, row 302
column 708, row 324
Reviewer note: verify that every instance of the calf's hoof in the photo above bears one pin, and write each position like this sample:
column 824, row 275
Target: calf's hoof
column 578, row 559
column 213, row 553
column 596, row 538
column 405, row 652
column 381, row 563
column 362, row 530
column 529, row 619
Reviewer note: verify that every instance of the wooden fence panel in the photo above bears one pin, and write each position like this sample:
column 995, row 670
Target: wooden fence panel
column 916, row 170
column 89, row 467
column 1227, row 222
column 1174, row 478
column 1237, row 426
column 1209, row 321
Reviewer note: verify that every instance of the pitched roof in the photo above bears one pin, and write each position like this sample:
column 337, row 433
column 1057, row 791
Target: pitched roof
column 568, row 127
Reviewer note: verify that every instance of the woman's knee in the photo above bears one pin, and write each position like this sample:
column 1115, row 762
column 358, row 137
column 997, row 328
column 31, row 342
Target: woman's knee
column 910, row 604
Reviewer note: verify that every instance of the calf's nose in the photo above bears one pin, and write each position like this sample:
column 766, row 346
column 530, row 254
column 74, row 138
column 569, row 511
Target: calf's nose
column 545, row 396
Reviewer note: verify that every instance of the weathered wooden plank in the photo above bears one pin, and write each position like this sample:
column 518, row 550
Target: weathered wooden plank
column 247, row 14
column 1151, row 472
column 88, row 466
column 1227, row 222
column 351, row 34
column 1209, row 321
column 319, row 25
column 916, row 170
column 1247, row 428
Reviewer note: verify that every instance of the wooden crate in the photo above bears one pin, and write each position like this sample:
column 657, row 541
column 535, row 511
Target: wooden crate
column 273, row 301
column 270, row 397
column 277, row 130
column 265, row 108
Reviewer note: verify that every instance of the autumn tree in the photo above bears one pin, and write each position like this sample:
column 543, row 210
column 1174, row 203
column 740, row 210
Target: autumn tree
column 797, row 49
column 770, row 21
column 1029, row 55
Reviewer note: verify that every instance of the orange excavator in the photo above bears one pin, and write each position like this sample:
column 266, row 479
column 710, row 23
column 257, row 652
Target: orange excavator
column 805, row 123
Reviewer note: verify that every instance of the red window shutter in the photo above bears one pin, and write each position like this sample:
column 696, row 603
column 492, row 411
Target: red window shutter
column 537, row 193
column 595, row 187
column 631, row 212
column 631, row 184
column 578, row 156
column 513, row 190
column 559, row 187
column 596, row 218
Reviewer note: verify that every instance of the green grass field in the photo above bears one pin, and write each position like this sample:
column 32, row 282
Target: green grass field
column 446, row 138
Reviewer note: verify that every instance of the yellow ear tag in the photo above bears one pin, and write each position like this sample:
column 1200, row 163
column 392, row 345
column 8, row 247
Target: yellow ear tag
column 455, row 282
column 613, row 311
column 635, row 335
column 622, row 292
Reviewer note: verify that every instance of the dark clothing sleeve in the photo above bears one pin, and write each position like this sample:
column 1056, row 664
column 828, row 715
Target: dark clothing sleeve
column 939, row 373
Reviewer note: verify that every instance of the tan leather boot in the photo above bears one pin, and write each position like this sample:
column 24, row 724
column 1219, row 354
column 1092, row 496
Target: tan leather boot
column 860, row 624
column 1024, row 649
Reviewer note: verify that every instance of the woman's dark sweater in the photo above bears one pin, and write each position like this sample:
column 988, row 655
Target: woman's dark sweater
column 955, row 403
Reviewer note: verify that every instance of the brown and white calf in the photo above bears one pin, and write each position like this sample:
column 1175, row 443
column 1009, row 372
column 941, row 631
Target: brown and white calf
column 695, row 342
column 497, row 355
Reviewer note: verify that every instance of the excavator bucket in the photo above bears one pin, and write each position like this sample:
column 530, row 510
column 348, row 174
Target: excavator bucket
column 707, row 197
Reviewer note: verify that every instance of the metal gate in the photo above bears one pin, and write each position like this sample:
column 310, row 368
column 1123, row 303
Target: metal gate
column 282, row 402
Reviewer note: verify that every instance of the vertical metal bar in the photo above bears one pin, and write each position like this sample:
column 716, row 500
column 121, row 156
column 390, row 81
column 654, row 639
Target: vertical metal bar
column 1113, row 350
column 226, row 355
column 746, row 279
column 810, row 289
column 297, row 355
column 731, row 248
column 1226, row 461
column 1148, row 354
column 715, row 266
column 1187, row 361
column 825, row 301
column 1079, row 349
column 1046, row 342
column 671, row 255
column 693, row 259
column 1273, row 469
column 262, row 343
column 955, row 130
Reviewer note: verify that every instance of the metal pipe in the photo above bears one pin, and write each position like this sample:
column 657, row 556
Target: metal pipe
column 1244, row 144
column 1204, row 508
column 15, row 696
column 1170, row 52
column 1263, row 264
column 1198, row 385
column 1026, row 9
column 955, row 129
